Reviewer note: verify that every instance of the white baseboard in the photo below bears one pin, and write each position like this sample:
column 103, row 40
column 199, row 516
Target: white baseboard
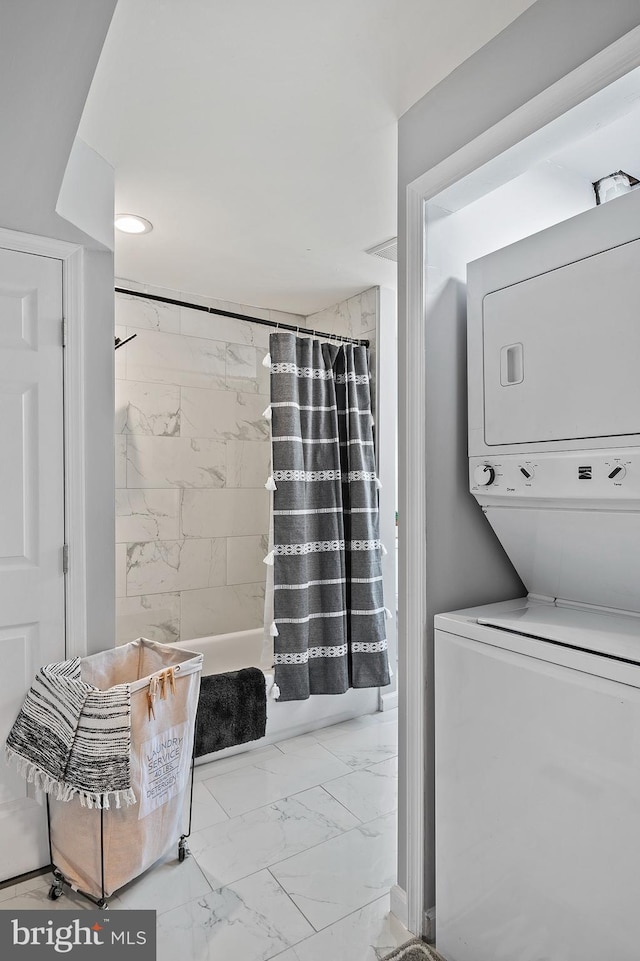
column 399, row 909
column 389, row 702
column 398, row 904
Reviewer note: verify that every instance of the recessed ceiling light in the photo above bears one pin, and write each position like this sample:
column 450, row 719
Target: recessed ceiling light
column 132, row 224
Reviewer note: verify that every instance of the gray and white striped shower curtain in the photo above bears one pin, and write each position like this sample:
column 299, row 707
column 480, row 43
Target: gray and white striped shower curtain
column 328, row 610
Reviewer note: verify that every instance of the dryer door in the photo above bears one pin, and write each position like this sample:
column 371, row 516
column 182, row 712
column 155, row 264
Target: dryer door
column 562, row 352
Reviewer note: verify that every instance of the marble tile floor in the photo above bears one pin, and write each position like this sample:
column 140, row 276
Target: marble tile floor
column 293, row 853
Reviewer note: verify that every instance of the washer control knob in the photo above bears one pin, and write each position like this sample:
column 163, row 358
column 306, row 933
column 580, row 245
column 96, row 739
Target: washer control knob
column 526, row 471
column 484, row 475
column 617, row 472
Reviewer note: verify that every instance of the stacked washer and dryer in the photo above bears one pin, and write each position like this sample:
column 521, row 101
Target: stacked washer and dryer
column 538, row 698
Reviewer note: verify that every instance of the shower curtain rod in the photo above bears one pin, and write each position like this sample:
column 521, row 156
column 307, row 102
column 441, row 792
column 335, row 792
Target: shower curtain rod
column 253, row 320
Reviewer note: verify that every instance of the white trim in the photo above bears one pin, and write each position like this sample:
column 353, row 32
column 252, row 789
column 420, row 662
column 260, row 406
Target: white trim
column 398, row 904
column 74, row 431
column 40, row 246
column 389, row 702
column 604, row 68
column 412, row 558
column 71, row 256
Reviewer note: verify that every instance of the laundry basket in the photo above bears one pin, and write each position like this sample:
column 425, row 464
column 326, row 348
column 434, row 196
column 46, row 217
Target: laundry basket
column 97, row 851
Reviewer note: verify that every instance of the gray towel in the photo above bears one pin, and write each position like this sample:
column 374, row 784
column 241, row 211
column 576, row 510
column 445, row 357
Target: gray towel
column 232, row 710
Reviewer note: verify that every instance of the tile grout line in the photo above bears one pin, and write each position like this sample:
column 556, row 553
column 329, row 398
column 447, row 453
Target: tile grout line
column 338, row 801
column 358, row 771
column 338, row 920
column 233, row 770
column 327, row 927
column 195, row 861
column 353, row 770
column 299, row 909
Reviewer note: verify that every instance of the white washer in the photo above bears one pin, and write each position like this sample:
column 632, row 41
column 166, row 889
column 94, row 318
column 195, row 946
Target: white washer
column 537, row 700
column 537, row 784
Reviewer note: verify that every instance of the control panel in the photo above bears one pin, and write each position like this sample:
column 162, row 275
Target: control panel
column 592, row 475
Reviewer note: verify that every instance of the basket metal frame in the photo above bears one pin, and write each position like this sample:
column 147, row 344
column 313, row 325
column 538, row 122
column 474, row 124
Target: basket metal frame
column 59, row 880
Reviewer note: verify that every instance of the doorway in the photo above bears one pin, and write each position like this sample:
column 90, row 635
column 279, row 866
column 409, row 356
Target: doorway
column 541, row 143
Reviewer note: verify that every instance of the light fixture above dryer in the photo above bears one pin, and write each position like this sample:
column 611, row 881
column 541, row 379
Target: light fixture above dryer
column 613, row 185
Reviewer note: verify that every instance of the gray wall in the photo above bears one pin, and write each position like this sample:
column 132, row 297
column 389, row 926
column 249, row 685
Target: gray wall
column 548, row 41
column 48, row 55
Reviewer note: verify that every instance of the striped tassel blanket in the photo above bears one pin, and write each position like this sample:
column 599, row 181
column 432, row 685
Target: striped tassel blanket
column 72, row 739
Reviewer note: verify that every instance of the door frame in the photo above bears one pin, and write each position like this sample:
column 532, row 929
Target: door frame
column 416, row 808
column 72, row 259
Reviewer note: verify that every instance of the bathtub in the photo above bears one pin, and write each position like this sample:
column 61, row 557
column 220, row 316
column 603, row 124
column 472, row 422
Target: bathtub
column 231, row 652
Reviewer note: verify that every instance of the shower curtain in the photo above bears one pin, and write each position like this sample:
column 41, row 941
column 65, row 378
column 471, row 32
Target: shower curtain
column 326, row 590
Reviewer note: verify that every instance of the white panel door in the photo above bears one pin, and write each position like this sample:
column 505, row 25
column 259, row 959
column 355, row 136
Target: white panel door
column 32, row 614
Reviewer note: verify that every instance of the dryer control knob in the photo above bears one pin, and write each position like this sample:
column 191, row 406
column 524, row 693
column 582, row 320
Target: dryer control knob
column 617, row 473
column 526, row 471
column 484, row 475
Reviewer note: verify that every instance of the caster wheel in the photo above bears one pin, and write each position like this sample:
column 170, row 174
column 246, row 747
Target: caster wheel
column 182, row 851
column 54, row 892
column 103, row 905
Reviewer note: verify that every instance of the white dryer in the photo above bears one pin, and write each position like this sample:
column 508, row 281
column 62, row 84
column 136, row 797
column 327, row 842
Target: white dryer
column 538, row 699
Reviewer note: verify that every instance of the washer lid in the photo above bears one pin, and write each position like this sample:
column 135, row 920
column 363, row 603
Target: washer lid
column 586, row 557
column 613, row 635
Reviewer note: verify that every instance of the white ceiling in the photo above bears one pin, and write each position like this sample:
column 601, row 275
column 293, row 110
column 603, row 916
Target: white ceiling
column 260, row 136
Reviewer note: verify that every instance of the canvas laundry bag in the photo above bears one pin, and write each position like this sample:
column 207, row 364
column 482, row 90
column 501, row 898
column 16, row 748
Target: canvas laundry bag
column 162, row 728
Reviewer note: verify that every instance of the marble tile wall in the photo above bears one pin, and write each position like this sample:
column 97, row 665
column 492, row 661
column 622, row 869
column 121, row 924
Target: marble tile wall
column 356, row 317
column 192, row 456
